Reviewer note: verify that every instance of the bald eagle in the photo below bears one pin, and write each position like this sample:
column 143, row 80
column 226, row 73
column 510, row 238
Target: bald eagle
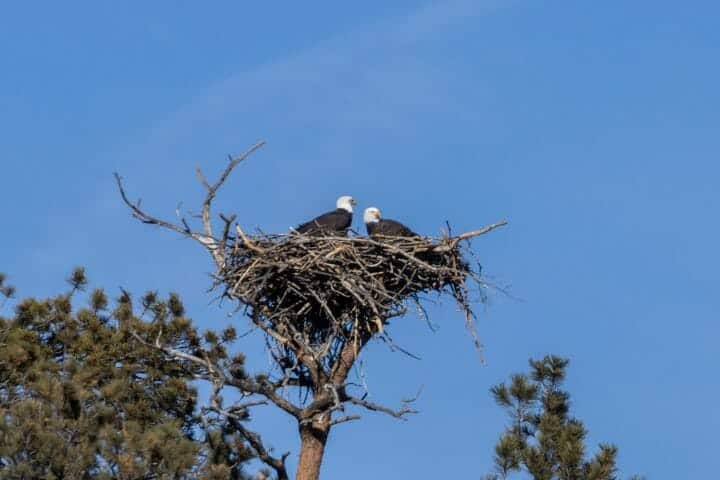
column 337, row 221
column 376, row 225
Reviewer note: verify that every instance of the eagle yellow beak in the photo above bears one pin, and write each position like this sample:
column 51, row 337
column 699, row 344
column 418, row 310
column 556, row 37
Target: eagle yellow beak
column 377, row 214
column 353, row 202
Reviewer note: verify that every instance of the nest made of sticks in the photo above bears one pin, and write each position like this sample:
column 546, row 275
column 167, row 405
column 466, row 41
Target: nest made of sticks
column 332, row 289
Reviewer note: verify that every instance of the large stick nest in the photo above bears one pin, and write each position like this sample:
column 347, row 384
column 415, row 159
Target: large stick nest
column 329, row 289
column 307, row 292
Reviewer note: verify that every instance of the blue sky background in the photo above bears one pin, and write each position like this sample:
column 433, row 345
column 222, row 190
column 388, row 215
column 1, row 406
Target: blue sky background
column 593, row 127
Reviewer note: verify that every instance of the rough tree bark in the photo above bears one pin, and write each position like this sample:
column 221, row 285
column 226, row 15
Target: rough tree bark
column 313, row 438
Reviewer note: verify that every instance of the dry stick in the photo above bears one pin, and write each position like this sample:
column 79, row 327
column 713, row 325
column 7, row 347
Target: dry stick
column 474, row 233
column 348, row 418
column 149, row 219
column 244, row 274
column 482, row 231
column 206, row 238
column 246, row 241
column 212, row 190
column 226, row 229
column 379, row 408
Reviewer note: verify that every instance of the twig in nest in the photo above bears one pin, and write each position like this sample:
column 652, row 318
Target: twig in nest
column 246, row 240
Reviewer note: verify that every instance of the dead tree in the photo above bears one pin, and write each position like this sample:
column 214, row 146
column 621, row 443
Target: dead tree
column 318, row 300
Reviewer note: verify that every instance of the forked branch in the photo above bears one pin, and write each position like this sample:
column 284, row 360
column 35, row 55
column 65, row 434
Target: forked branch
column 212, row 189
column 400, row 413
column 482, row 231
column 205, row 237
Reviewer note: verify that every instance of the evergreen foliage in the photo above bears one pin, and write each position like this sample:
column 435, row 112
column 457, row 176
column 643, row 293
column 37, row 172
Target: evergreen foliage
column 82, row 398
column 87, row 393
column 543, row 439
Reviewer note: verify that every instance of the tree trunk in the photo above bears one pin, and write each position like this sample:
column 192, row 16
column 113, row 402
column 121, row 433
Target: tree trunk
column 313, row 438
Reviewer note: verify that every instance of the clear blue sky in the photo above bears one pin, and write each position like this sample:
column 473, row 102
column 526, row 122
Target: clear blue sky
column 593, row 127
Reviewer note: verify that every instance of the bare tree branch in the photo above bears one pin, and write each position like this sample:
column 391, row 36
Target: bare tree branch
column 212, row 189
column 477, row 233
column 482, row 231
column 149, row 219
column 267, row 390
column 238, row 407
column 379, row 408
column 206, row 237
column 465, row 236
column 226, row 228
column 246, row 240
column 348, row 418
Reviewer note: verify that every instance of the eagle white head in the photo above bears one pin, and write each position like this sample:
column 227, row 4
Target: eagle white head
column 346, row 202
column 371, row 215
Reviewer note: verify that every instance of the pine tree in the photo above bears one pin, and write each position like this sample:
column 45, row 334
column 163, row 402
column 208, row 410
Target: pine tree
column 82, row 398
column 543, row 439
